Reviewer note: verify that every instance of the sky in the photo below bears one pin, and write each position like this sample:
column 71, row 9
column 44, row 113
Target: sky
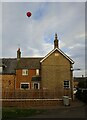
column 43, row 0
column 35, row 35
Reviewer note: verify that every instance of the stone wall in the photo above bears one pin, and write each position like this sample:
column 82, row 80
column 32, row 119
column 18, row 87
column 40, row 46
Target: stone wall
column 56, row 69
column 8, row 84
column 29, row 103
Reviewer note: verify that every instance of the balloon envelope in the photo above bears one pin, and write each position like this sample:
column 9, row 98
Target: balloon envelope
column 29, row 14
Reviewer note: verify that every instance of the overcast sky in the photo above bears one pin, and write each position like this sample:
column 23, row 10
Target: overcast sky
column 35, row 35
column 43, row 0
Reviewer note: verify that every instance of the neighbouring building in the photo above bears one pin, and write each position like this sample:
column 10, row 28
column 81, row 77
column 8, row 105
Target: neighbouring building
column 80, row 82
column 51, row 76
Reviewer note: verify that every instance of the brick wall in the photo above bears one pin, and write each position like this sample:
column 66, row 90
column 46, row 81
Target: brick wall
column 27, row 78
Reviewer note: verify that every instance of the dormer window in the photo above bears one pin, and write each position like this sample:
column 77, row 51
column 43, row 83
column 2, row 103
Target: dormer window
column 25, row 72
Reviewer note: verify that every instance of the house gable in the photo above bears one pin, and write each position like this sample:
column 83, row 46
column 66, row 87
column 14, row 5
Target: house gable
column 58, row 51
column 55, row 69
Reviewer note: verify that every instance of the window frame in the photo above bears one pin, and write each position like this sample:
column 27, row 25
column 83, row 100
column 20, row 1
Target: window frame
column 1, row 68
column 56, row 54
column 38, row 85
column 25, row 88
column 25, row 72
column 37, row 72
column 67, row 86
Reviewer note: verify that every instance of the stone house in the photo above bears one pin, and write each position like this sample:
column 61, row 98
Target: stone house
column 7, row 75
column 51, row 74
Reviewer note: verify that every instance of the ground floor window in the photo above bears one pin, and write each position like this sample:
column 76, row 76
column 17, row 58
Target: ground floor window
column 66, row 84
column 36, row 85
column 24, row 86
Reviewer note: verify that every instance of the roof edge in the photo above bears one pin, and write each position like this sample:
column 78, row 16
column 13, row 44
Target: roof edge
column 60, row 52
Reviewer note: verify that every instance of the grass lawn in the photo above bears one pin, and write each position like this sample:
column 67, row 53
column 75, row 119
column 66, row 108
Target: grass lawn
column 18, row 113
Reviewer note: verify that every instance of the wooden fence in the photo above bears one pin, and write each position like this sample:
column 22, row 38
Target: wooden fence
column 30, row 94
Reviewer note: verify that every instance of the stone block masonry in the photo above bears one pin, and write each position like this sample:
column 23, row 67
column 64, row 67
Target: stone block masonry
column 30, row 103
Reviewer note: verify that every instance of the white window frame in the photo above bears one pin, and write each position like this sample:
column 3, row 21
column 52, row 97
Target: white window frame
column 0, row 69
column 67, row 86
column 37, row 71
column 24, row 72
column 38, row 85
column 56, row 54
column 25, row 83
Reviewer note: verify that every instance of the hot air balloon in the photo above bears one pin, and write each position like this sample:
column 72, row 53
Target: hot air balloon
column 28, row 14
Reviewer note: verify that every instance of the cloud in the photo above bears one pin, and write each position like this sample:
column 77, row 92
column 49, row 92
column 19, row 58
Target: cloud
column 43, row 0
column 36, row 34
column 80, row 36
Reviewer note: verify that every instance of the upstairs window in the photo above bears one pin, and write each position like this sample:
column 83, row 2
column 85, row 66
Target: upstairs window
column 25, row 86
column 66, row 84
column 56, row 54
column 25, row 72
column 0, row 69
column 37, row 71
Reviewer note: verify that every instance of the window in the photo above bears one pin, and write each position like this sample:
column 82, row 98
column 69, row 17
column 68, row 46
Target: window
column 25, row 86
column 37, row 71
column 25, row 72
column 0, row 69
column 36, row 85
column 56, row 54
column 66, row 84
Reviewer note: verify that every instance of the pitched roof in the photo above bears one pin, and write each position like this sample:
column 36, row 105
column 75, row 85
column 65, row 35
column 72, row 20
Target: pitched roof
column 9, row 65
column 78, row 79
column 29, row 63
column 60, row 51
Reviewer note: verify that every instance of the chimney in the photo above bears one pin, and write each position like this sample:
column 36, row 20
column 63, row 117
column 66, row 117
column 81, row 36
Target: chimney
column 18, row 54
column 56, row 41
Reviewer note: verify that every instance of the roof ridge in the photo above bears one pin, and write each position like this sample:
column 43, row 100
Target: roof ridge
column 7, row 58
column 31, row 57
column 21, row 58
